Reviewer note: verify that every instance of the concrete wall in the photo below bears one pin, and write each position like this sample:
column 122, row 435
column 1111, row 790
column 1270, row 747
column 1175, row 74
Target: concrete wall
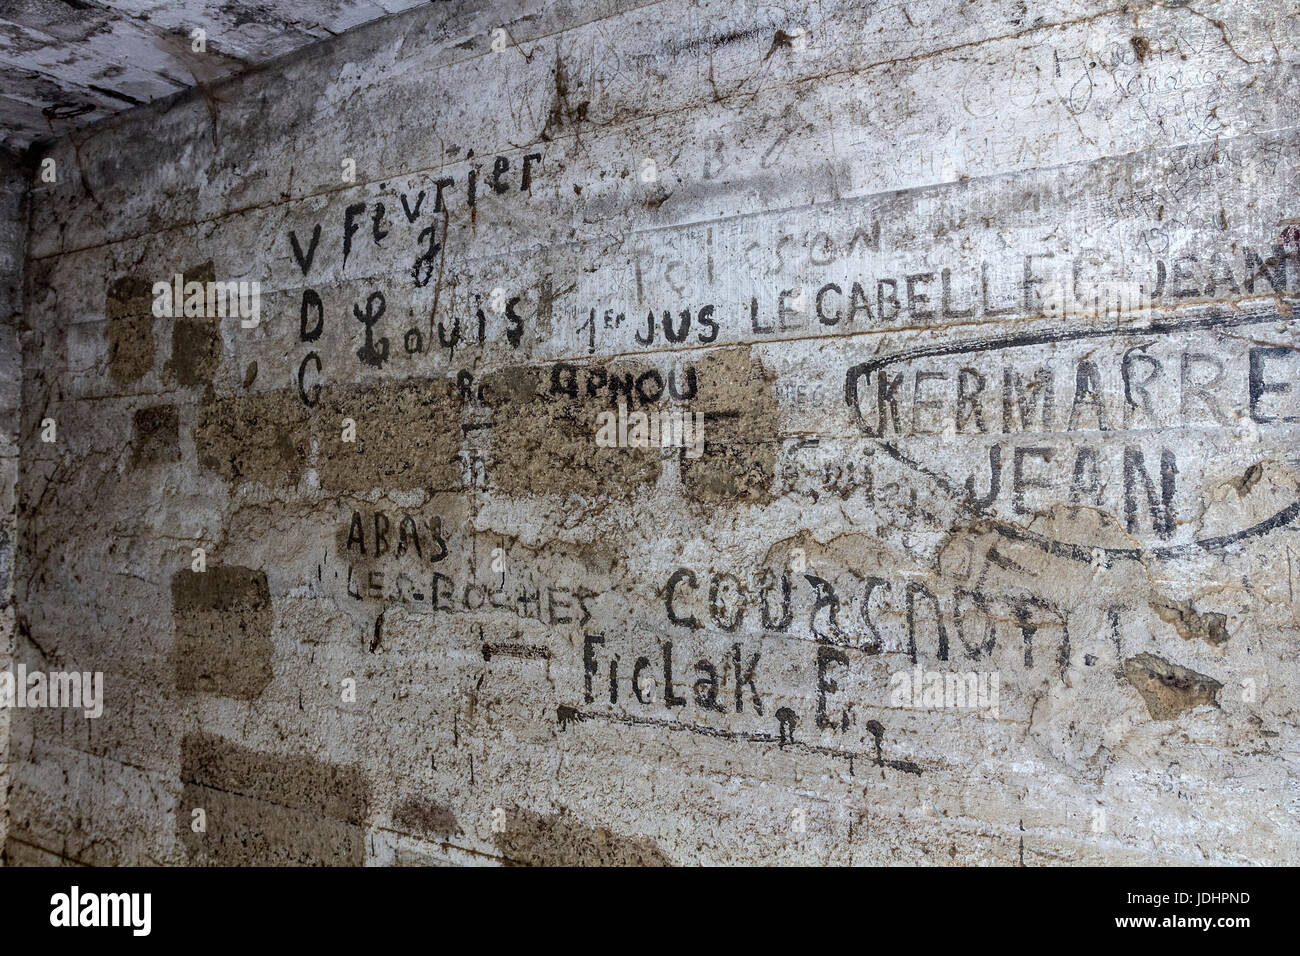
column 13, row 234
column 66, row 64
column 867, row 247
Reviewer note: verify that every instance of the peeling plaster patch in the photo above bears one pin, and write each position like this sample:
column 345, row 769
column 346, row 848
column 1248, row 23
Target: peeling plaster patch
column 545, row 443
column 196, row 351
column 1249, row 479
column 156, row 436
column 129, row 310
column 223, row 631
column 407, row 436
column 196, row 343
column 1191, row 624
column 741, row 436
column 261, row 438
column 425, row 818
column 1169, row 689
column 267, row 810
column 534, row 839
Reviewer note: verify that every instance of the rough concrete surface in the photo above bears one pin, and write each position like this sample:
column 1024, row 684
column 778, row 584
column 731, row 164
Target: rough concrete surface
column 988, row 551
column 66, row 62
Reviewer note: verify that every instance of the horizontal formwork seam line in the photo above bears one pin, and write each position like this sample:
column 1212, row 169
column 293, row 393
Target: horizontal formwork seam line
column 52, row 746
column 1018, row 322
column 1282, row 300
column 646, row 118
column 45, row 849
column 277, row 803
column 1236, row 302
column 445, row 844
column 463, row 264
column 1283, row 132
column 822, row 434
column 1112, row 844
column 541, row 364
column 864, row 199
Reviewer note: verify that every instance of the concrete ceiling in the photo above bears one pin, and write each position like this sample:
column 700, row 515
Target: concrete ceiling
column 67, row 63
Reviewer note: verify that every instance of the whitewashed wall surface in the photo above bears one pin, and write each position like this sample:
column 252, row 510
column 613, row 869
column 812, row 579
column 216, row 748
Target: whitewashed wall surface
column 975, row 538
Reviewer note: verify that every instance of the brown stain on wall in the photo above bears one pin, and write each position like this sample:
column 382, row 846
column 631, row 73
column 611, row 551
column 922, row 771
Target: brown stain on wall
column 534, row 839
column 223, row 631
column 424, row 818
column 196, row 342
column 254, row 438
column 128, row 307
column 268, row 810
column 545, row 443
column 1169, row 689
column 156, row 436
column 407, row 436
column 196, row 351
column 1191, row 624
column 740, row 431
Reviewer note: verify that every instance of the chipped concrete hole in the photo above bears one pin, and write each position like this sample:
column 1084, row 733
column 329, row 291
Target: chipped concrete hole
column 987, row 323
